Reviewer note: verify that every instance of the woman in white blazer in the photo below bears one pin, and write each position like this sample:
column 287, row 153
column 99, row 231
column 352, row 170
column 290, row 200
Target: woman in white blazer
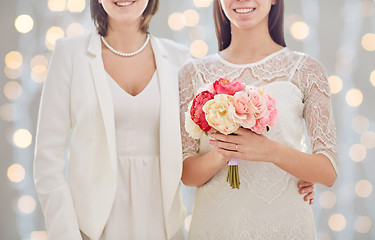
column 118, row 115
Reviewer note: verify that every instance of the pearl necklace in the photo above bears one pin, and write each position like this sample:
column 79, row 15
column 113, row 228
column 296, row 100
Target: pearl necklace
column 125, row 54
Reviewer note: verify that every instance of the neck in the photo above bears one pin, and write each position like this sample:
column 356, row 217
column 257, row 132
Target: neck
column 251, row 44
column 125, row 38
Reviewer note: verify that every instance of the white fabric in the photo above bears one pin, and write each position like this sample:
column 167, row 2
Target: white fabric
column 76, row 98
column 137, row 212
column 267, row 206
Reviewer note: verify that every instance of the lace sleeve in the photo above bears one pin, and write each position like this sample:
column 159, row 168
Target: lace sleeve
column 317, row 112
column 187, row 80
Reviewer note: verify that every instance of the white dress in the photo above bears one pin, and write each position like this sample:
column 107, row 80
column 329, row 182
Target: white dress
column 137, row 213
column 267, row 206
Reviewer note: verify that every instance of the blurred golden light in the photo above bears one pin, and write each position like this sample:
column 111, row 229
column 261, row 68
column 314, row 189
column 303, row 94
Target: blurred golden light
column 337, row 222
column 39, row 60
column 360, row 124
column 363, row 188
column 363, row 224
column 357, row 152
column 8, row 112
column 39, row 235
column 191, row 17
column 327, row 199
column 366, row 8
column 176, row 21
column 13, row 60
column 197, row 32
column 53, row 34
column 12, row 90
column 335, row 84
column 76, row 5
column 16, row 173
column 57, row 5
column 24, row 23
column 299, row 30
column 202, row 3
column 12, row 73
column 198, row 48
column 26, row 204
column 354, row 97
column 22, row 138
column 187, row 223
column 368, row 139
column 39, row 65
column 74, row 29
column 368, row 42
column 372, row 78
column 39, row 73
column 292, row 18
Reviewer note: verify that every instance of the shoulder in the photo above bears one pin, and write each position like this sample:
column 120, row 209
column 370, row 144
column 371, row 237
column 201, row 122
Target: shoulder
column 79, row 40
column 199, row 67
column 200, row 63
column 76, row 44
column 307, row 62
column 172, row 45
column 177, row 52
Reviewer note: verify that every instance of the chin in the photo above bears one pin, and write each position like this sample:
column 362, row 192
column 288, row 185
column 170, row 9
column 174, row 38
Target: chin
column 245, row 25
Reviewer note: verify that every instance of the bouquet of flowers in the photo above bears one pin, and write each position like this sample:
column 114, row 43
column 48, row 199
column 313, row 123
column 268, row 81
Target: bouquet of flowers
column 225, row 106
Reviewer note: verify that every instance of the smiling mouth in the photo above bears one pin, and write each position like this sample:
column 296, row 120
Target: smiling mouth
column 244, row 10
column 124, row 3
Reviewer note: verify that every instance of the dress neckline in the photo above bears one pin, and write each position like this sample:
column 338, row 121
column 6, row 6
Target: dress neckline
column 236, row 65
column 128, row 94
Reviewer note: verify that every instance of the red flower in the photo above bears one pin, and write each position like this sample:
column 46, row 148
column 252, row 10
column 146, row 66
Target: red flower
column 224, row 86
column 196, row 112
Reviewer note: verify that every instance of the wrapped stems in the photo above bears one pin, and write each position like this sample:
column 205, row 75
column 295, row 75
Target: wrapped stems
column 233, row 176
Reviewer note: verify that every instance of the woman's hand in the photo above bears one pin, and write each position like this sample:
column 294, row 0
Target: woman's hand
column 243, row 144
column 247, row 145
column 308, row 189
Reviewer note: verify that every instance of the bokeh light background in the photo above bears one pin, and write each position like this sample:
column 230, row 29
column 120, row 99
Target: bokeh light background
column 340, row 33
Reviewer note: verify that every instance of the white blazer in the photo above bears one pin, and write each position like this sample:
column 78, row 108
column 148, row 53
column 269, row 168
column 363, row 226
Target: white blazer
column 76, row 99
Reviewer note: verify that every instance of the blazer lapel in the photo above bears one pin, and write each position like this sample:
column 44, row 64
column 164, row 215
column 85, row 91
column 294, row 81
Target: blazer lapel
column 170, row 140
column 104, row 96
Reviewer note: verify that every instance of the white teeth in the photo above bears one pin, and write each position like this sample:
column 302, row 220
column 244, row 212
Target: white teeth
column 124, row 4
column 244, row 10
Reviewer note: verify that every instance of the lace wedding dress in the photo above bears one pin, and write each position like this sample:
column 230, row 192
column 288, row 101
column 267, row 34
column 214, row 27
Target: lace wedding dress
column 267, row 205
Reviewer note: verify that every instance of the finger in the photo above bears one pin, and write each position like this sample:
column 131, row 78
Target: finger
column 308, row 197
column 231, row 154
column 225, row 145
column 306, row 189
column 224, row 138
column 243, row 131
column 311, row 201
column 302, row 184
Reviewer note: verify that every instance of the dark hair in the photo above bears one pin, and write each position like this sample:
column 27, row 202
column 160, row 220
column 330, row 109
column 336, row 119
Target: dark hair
column 99, row 16
column 275, row 24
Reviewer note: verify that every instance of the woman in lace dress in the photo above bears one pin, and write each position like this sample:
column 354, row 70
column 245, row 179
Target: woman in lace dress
column 267, row 205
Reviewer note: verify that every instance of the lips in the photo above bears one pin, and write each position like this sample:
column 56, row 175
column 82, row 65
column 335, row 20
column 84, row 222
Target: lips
column 244, row 10
column 124, row 3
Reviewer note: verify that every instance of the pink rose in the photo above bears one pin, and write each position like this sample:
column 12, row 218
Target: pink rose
column 260, row 125
column 272, row 110
column 243, row 111
column 196, row 110
column 258, row 101
column 224, row 86
column 269, row 119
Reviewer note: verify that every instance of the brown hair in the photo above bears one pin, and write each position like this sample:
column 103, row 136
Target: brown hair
column 275, row 24
column 99, row 16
